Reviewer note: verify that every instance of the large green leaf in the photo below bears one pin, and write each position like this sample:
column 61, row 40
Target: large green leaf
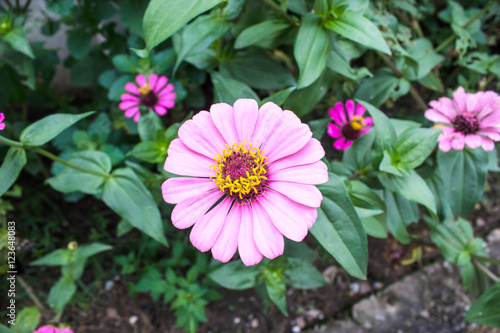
column 463, row 173
column 27, row 320
column 339, row 230
column 86, row 251
column 79, row 42
column 60, row 294
column 385, row 134
column 358, row 156
column 198, row 36
column 46, row 129
column 311, row 50
column 14, row 162
column 356, row 27
column 301, row 274
column 228, row 90
column 486, row 310
column 71, row 180
column 474, row 279
column 260, row 32
column 235, row 275
column 129, row 198
column 58, row 257
column 17, row 39
column 423, row 52
column 415, row 145
column 383, row 85
column 164, row 17
column 400, row 212
column 276, row 289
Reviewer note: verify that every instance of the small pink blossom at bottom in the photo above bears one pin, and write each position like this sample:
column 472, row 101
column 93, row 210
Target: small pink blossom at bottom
column 248, row 180
column 2, row 124
column 471, row 120
column 348, row 124
column 153, row 93
column 52, row 329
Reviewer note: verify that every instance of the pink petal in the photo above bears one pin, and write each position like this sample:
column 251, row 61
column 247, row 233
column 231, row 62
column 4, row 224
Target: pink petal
column 2, row 126
column 160, row 84
column 178, row 189
column 223, row 118
column 337, row 114
column 488, row 144
column 183, row 161
column 437, row 117
column 141, row 80
column 189, row 211
column 347, row 144
column 368, row 121
column 132, row 88
column 246, row 112
column 313, row 151
column 129, row 98
column 268, row 239
column 226, row 244
column 458, row 142
column 152, row 80
column 314, row 173
column 167, row 104
column 167, row 90
column 269, row 118
column 473, row 141
column 249, row 253
column 137, row 116
column 201, row 135
column 460, row 100
column 207, row 229
column 287, row 216
column 334, row 131
column 349, row 106
column 360, row 110
column 127, row 105
column 445, row 144
column 339, row 143
column 487, row 103
column 132, row 112
column 445, row 106
column 493, row 120
column 160, row 110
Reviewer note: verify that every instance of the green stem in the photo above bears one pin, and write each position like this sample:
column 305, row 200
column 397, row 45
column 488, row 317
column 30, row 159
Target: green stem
column 280, row 10
column 63, row 162
column 86, row 290
column 486, row 271
column 482, row 258
column 465, row 26
column 31, row 294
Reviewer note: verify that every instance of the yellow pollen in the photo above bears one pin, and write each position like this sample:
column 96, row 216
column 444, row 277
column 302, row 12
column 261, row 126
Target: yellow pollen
column 240, row 170
column 145, row 89
column 357, row 123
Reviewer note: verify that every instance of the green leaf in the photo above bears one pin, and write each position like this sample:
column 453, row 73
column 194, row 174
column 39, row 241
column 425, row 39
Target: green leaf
column 375, row 226
column 463, row 173
column 398, row 216
column 383, row 85
column 149, row 151
column 301, row 274
column 27, row 320
column 356, row 27
column 452, row 238
column 126, row 63
column 312, row 49
column 364, row 197
column 357, row 157
column 46, row 129
column 71, row 180
column 233, row 9
column 228, row 90
column 124, row 227
column 276, row 289
column 337, row 63
column 14, row 162
column 411, row 186
column 149, row 124
column 59, row 257
column 132, row 13
column 129, row 198
column 198, row 36
column 423, row 52
column 339, row 230
column 118, row 87
column 17, row 39
column 486, row 310
column 60, row 294
column 164, row 17
column 234, row 275
column 402, row 126
column 279, row 97
column 87, row 251
column 415, row 145
column 79, row 42
column 260, row 32
column 385, row 134
column 318, row 127
column 61, row 7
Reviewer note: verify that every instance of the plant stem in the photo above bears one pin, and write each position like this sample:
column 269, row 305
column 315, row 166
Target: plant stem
column 481, row 258
column 280, row 10
column 486, row 270
column 57, row 159
column 414, row 93
column 465, row 26
column 31, row 294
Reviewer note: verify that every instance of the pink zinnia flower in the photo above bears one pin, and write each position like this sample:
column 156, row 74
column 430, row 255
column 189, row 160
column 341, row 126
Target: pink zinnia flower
column 154, row 93
column 250, row 180
column 2, row 125
column 347, row 127
column 467, row 119
column 52, row 329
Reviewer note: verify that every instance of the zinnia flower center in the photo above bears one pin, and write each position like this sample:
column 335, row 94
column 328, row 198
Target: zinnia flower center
column 148, row 97
column 466, row 123
column 240, row 171
column 352, row 130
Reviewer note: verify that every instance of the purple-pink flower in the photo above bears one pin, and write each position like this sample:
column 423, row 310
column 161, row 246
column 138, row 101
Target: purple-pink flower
column 471, row 120
column 249, row 177
column 153, row 93
column 348, row 126
column 2, row 124
column 52, row 329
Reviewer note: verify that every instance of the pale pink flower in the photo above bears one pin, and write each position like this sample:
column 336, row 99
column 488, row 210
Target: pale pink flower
column 153, row 93
column 250, row 176
column 471, row 120
column 2, row 124
column 52, row 329
column 348, row 126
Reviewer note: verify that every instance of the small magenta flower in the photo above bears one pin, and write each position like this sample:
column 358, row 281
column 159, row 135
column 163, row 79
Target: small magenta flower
column 347, row 127
column 153, row 93
column 2, row 124
column 249, row 177
column 52, row 329
column 471, row 120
